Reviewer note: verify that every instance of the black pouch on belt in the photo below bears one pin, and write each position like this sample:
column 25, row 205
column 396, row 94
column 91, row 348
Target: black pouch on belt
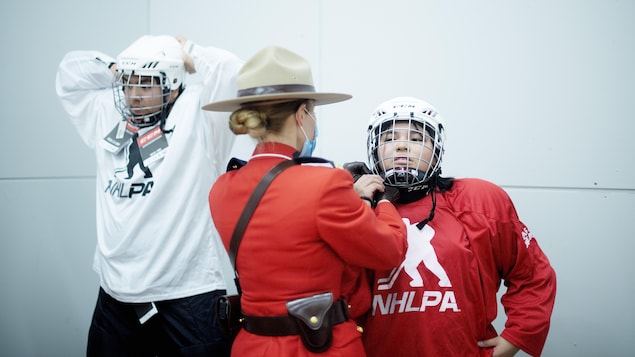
column 314, row 321
column 228, row 314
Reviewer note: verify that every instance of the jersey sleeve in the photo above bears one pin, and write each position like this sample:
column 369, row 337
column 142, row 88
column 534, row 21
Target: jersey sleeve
column 217, row 70
column 84, row 86
column 363, row 237
column 509, row 252
column 531, row 288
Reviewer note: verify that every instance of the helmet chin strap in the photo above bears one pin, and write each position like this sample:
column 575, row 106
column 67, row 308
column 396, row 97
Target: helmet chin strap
column 167, row 108
column 417, row 192
column 422, row 224
column 147, row 121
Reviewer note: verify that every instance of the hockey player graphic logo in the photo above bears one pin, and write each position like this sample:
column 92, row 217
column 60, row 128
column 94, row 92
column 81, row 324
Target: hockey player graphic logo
column 143, row 150
column 420, row 250
column 135, row 158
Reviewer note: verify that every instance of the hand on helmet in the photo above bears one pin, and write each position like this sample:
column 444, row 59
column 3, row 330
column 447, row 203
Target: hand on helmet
column 390, row 193
column 368, row 184
column 188, row 61
column 357, row 169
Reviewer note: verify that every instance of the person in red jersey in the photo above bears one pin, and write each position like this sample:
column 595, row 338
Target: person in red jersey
column 310, row 230
column 464, row 240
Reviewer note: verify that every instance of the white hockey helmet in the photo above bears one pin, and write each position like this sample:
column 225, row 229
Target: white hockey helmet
column 159, row 57
column 421, row 116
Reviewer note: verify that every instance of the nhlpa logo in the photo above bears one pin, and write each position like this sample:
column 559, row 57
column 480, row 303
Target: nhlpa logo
column 420, row 250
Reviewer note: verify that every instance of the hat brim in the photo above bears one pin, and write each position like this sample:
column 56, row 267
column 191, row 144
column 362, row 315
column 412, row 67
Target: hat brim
column 231, row 105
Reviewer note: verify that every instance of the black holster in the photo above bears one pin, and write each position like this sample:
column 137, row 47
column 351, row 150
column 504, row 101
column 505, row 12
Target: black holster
column 228, row 314
column 314, row 320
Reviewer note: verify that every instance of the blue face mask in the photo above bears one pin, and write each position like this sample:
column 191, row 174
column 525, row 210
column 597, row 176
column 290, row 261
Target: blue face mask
column 309, row 145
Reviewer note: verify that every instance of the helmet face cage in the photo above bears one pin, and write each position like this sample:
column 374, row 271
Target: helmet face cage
column 147, row 71
column 405, row 143
column 146, row 94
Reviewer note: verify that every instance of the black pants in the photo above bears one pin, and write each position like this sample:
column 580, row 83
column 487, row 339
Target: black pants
column 183, row 327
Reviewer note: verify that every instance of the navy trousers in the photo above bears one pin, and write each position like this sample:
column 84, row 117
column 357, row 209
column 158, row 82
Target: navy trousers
column 182, row 327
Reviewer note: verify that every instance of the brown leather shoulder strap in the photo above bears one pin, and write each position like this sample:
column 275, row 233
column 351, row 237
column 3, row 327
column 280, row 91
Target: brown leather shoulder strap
column 250, row 207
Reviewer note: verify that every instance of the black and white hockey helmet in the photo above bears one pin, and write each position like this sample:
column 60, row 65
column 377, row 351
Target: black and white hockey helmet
column 405, row 142
column 156, row 57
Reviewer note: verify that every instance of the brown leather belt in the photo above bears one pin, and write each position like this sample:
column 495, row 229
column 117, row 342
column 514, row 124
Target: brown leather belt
column 288, row 325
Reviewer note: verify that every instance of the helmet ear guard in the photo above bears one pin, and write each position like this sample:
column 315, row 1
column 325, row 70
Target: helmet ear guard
column 424, row 125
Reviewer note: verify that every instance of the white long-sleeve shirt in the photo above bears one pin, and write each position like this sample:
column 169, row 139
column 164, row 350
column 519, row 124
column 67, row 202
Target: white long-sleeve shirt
column 155, row 237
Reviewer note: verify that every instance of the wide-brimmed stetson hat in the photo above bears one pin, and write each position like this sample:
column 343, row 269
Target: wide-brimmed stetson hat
column 275, row 73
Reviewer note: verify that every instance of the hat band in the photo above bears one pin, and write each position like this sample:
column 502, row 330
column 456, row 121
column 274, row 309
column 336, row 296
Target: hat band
column 283, row 88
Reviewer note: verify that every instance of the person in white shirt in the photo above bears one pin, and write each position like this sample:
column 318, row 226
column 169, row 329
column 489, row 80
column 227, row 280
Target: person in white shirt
column 158, row 154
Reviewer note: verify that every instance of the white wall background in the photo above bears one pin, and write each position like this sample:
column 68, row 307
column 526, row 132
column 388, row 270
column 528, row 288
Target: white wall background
column 538, row 96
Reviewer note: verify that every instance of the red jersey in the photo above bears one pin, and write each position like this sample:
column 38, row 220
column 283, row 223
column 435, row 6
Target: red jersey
column 443, row 298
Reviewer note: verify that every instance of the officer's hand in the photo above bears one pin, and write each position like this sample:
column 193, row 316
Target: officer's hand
column 390, row 193
column 357, row 169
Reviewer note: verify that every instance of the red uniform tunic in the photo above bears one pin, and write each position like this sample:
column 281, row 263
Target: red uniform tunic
column 308, row 226
column 443, row 298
